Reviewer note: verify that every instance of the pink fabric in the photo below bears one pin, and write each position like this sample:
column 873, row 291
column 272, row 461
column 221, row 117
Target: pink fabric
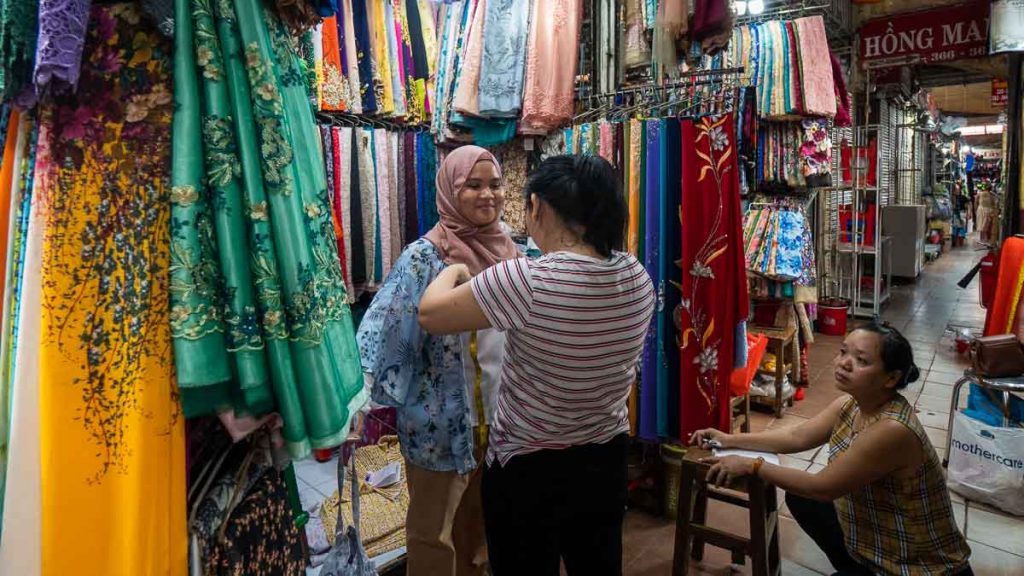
column 710, row 18
column 819, row 85
column 459, row 240
column 467, row 96
column 551, row 65
column 607, row 145
column 381, row 152
column 842, row 94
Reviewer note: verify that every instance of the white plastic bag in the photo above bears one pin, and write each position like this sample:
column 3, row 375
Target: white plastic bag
column 986, row 463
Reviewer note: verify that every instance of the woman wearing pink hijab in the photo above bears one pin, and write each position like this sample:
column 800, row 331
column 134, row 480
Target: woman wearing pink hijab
column 443, row 387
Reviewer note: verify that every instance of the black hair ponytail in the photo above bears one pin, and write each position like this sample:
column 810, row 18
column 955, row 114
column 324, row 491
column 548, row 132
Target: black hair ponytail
column 584, row 191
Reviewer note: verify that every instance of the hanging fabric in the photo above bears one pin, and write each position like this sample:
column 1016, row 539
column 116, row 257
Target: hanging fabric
column 638, row 50
column 548, row 95
column 21, row 529
column 649, row 406
column 109, row 421
column 285, row 341
column 819, row 96
column 18, row 25
column 669, row 296
column 507, row 26
column 714, row 298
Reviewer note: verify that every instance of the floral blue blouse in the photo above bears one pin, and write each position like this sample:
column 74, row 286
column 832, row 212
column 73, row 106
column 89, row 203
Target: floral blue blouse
column 419, row 374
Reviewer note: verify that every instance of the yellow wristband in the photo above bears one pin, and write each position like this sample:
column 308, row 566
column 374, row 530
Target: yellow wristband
column 757, row 466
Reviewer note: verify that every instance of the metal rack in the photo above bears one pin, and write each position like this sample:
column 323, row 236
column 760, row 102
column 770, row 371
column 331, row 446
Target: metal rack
column 838, row 15
column 845, row 265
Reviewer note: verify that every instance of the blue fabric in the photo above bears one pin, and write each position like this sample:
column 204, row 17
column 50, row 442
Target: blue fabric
column 378, row 255
column 672, row 240
column 982, row 408
column 398, row 89
column 662, row 315
column 422, row 376
column 364, row 51
column 650, row 406
column 426, row 191
column 740, row 344
column 486, row 132
column 789, row 253
column 325, row 8
column 504, row 58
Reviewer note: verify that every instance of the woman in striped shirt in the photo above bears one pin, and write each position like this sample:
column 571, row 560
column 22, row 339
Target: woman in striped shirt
column 575, row 318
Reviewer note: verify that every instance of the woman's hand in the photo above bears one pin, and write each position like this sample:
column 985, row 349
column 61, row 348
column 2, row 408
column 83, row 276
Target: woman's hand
column 448, row 305
column 710, row 438
column 358, row 427
column 459, row 273
column 727, row 469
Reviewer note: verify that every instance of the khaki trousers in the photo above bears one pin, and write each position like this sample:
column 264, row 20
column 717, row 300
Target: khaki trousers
column 445, row 524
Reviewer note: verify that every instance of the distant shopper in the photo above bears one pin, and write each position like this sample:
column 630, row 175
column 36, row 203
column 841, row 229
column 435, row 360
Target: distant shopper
column 555, row 483
column 881, row 505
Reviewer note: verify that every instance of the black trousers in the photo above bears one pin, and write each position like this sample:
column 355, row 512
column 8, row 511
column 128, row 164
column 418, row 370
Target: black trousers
column 556, row 505
column 820, row 521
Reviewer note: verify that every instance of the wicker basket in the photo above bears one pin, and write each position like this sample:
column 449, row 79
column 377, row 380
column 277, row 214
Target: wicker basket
column 382, row 510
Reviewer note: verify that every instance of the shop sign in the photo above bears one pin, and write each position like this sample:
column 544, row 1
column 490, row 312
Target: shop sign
column 932, row 36
column 1007, row 34
column 1000, row 91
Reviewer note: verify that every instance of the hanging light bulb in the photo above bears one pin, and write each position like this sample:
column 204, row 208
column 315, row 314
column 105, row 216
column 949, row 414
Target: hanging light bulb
column 755, row 6
column 739, row 7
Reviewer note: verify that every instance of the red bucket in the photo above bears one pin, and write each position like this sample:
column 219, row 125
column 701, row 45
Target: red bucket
column 832, row 317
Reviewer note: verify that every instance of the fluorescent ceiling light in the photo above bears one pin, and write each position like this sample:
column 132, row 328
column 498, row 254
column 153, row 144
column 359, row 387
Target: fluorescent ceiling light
column 756, row 6
column 739, row 7
column 981, row 130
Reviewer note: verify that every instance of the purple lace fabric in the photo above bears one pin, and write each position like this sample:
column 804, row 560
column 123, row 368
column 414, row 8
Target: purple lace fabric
column 62, row 27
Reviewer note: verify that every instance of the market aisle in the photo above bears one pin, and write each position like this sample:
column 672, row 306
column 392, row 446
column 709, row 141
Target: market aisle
column 921, row 311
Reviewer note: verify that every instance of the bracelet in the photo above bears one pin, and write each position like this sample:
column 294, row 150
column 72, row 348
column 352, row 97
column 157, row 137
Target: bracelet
column 757, row 466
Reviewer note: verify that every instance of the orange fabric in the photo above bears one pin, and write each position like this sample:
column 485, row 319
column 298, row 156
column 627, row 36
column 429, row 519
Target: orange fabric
column 1004, row 314
column 739, row 384
column 333, row 85
column 7, row 172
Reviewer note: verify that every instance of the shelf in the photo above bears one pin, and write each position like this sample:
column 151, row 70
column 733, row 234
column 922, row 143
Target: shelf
column 883, row 297
column 848, row 248
column 764, row 371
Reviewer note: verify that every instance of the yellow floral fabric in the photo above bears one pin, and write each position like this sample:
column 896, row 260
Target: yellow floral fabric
column 112, row 440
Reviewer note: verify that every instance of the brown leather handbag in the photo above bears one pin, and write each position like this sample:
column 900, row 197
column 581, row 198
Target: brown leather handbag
column 998, row 356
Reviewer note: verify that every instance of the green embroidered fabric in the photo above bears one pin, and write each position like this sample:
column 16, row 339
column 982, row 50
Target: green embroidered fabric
column 18, row 34
column 258, row 310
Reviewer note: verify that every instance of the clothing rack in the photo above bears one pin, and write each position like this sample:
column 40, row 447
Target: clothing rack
column 662, row 97
column 780, row 201
column 684, row 80
column 781, row 11
column 344, row 119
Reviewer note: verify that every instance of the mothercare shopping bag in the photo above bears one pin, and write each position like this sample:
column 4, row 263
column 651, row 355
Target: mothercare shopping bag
column 986, row 463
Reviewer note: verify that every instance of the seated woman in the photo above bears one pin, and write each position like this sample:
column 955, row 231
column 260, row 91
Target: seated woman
column 881, row 505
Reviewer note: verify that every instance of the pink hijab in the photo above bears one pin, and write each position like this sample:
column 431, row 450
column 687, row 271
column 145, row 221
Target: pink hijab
column 459, row 240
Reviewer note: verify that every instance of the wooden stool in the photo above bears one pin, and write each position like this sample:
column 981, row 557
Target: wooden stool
column 692, row 533
column 780, row 342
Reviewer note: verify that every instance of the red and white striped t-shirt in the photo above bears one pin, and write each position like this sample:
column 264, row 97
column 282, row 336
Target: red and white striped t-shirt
column 576, row 328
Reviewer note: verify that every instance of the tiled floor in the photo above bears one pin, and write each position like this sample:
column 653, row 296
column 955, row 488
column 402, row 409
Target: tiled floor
column 921, row 311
